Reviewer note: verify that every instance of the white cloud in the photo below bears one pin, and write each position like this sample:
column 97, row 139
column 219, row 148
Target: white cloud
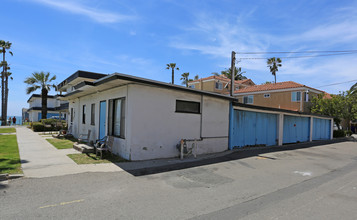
column 93, row 13
column 217, row 37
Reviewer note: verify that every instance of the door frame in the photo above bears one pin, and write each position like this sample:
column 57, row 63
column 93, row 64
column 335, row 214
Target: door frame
column 105, row 112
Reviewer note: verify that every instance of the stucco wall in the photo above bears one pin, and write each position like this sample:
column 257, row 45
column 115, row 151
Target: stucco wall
column 156, row 128
column 280, row 100
column 120, row 145
column 152, row 127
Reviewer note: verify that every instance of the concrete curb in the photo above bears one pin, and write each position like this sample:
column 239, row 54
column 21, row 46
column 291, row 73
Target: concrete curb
column 6, row 176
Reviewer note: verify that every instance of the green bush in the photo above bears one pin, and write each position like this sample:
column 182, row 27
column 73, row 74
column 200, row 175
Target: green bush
column 339, row 133
column 38, row 126
column 348, row 133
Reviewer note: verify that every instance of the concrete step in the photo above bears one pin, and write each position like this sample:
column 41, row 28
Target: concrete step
column 84, row 148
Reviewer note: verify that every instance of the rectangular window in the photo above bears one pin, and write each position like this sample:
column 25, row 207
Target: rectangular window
column 248, row 99
column 295, row 96
column 92, row 114
column 267, row 95
column 219, row 85
column 84, row 114
column 188, row 107
column 117, row 117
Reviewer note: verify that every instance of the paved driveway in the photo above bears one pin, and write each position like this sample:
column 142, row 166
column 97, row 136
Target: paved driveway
column 316, row 182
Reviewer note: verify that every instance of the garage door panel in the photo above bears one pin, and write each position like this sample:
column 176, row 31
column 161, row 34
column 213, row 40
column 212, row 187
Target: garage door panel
column 254, row 128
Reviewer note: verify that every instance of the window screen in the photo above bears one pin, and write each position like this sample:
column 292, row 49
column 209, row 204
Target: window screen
column 188, row 107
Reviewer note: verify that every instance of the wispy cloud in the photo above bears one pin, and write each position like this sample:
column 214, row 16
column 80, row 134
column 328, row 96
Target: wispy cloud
column 217, row 37
column 93, row 13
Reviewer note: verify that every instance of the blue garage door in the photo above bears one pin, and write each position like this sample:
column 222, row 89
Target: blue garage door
column 296, row 129
column 321, row 129
column 253, row 128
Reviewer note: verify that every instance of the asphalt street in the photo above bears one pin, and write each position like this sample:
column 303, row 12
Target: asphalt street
column 318, row 182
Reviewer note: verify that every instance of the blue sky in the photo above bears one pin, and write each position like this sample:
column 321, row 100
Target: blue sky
column 140, row 37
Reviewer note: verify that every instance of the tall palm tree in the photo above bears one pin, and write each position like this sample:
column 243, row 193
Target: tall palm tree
column 173, row 67
column 185, row 79
column 274, row 64
column 40, row 80
column 4, row 47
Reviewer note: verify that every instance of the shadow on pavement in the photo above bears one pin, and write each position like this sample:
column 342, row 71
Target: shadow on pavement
column 234, row 155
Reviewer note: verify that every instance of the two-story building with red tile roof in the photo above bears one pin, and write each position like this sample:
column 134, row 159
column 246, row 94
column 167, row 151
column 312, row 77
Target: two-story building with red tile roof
column 284, row 95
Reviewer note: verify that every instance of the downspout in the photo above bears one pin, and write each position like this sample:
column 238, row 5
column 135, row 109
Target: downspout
column 230, row 124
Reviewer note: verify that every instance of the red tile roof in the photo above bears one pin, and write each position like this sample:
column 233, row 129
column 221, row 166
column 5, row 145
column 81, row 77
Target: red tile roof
column 272, row 86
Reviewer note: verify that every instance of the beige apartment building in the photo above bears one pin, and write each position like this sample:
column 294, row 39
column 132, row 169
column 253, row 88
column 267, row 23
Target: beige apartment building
column 284, row 95
column 219, row 84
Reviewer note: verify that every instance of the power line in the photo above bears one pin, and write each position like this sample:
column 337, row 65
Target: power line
column 295, row 57
column 310, row 51
column 337, row 83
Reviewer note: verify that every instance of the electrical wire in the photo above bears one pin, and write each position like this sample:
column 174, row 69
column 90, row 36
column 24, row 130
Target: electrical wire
column 328, row 51
column 294, row 57
column 337, row 83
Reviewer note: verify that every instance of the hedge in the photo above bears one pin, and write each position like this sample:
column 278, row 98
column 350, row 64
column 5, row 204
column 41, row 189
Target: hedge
column 40, row 126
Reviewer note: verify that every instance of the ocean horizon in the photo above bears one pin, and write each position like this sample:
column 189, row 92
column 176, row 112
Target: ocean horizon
column 18, row 119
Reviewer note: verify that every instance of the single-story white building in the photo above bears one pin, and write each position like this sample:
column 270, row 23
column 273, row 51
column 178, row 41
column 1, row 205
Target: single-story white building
column 147, row 118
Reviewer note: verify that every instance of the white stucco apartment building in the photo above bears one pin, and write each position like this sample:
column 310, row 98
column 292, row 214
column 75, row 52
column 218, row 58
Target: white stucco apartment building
column 147, row 118
column 55, row 108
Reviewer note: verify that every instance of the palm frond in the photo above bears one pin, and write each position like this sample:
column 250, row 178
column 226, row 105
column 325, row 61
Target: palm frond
column 31, row 89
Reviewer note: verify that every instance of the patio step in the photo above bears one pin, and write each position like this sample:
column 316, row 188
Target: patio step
column 84, row 148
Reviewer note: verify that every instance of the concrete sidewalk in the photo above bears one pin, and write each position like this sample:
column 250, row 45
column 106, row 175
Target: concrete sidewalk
column 40, row 159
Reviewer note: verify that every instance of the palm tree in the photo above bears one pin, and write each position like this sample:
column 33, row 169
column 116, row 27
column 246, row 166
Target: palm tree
column 173, row 67
column 4, row 47
column 274, row 64
column 185, row 79
column 40, row 80
column 238, row 74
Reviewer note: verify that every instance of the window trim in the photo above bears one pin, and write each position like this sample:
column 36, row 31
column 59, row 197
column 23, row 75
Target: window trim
column 111, row 117
column 92, row 114
column 188, row 112
column 84, row 108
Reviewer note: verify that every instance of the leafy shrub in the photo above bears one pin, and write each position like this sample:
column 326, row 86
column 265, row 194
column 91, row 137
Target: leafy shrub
column 348, row 133
column 339, row 133
column 38, row 126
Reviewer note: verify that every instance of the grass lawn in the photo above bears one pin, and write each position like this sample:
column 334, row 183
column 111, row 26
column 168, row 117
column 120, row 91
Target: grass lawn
column 61, row 143
column 7, row 130
column 92, row 159
column 9, row 155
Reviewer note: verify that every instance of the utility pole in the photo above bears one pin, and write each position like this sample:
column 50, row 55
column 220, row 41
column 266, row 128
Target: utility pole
column 233, row 68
